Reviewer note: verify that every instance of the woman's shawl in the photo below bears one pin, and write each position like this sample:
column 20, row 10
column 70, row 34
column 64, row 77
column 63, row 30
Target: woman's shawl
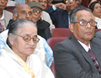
column 10, row 67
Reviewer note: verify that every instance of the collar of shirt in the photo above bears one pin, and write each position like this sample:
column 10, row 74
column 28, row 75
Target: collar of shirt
column 68, row 13
column 84, row 46
column 2, row 16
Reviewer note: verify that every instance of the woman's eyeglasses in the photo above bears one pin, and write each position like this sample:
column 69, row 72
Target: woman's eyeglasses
column 27, row 38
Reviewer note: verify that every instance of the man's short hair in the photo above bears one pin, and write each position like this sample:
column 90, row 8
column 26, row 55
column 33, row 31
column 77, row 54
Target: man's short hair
column 73, row 13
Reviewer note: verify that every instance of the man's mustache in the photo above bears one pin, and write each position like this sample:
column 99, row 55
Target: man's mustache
column 43, row 5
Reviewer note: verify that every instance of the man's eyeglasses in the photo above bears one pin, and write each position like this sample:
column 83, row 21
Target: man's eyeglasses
column 27, row 38
column 36, row 11
column 67, row 1
column 23, row 12
column 84, row 23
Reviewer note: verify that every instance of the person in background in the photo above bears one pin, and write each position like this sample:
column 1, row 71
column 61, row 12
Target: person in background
column 22, row 11
column 44, row 4
column 90, row 1
column 42, row 50
column 50, row 3
column 60, row 13
column 78, row 2
column 5, row 16
column 42, row 25
column 17, row 59
column 79, row 56
column 96, row 10
column 44, row 15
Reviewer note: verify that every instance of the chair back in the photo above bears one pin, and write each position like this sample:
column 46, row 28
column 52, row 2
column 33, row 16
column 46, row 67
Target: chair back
column 64, row 32
column 96, row 30
column 54, row 40
column 61, row 32
column 10, row 8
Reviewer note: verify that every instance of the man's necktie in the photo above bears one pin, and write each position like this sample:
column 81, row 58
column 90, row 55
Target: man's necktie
column 93, row 58
column 1, row 28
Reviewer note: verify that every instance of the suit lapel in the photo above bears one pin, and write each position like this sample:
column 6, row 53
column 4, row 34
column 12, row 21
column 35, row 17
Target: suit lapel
column 83, row 52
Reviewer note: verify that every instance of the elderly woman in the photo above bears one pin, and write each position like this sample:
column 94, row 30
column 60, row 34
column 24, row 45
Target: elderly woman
column 17, row 59
column 96, row 9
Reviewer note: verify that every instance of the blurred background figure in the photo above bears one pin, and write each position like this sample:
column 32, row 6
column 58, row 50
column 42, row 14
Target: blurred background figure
column 50, row 3
column 90, row 1
column 96, row 10
column 44, row 4
column 44, row 15
column 78, row 2
column 5, row 16
column 60, row 12
column 42, row 25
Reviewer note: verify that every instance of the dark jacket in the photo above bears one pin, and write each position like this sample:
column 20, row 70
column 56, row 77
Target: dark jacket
column 43, row 29
column 59, row 17
column 72, row 60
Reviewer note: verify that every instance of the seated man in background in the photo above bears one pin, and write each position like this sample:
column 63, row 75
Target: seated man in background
column 5, row 16
column 42, row 25
column 44, row 4
column 17, row 59
column 43, row 50
column 79, row 56
column 60, row 12
column 44, row 15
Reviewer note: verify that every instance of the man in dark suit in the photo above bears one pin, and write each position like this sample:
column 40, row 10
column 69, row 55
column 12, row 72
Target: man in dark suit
column 72, row 59
column 60, row 12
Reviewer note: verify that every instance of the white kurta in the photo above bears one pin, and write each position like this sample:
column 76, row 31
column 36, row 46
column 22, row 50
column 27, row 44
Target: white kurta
column 10, row 67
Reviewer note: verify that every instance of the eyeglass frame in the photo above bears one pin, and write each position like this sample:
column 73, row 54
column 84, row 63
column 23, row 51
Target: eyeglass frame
column 29, row 37
column 36, row 11
column 86, row 23
column 23, row 12
column 67, row 1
